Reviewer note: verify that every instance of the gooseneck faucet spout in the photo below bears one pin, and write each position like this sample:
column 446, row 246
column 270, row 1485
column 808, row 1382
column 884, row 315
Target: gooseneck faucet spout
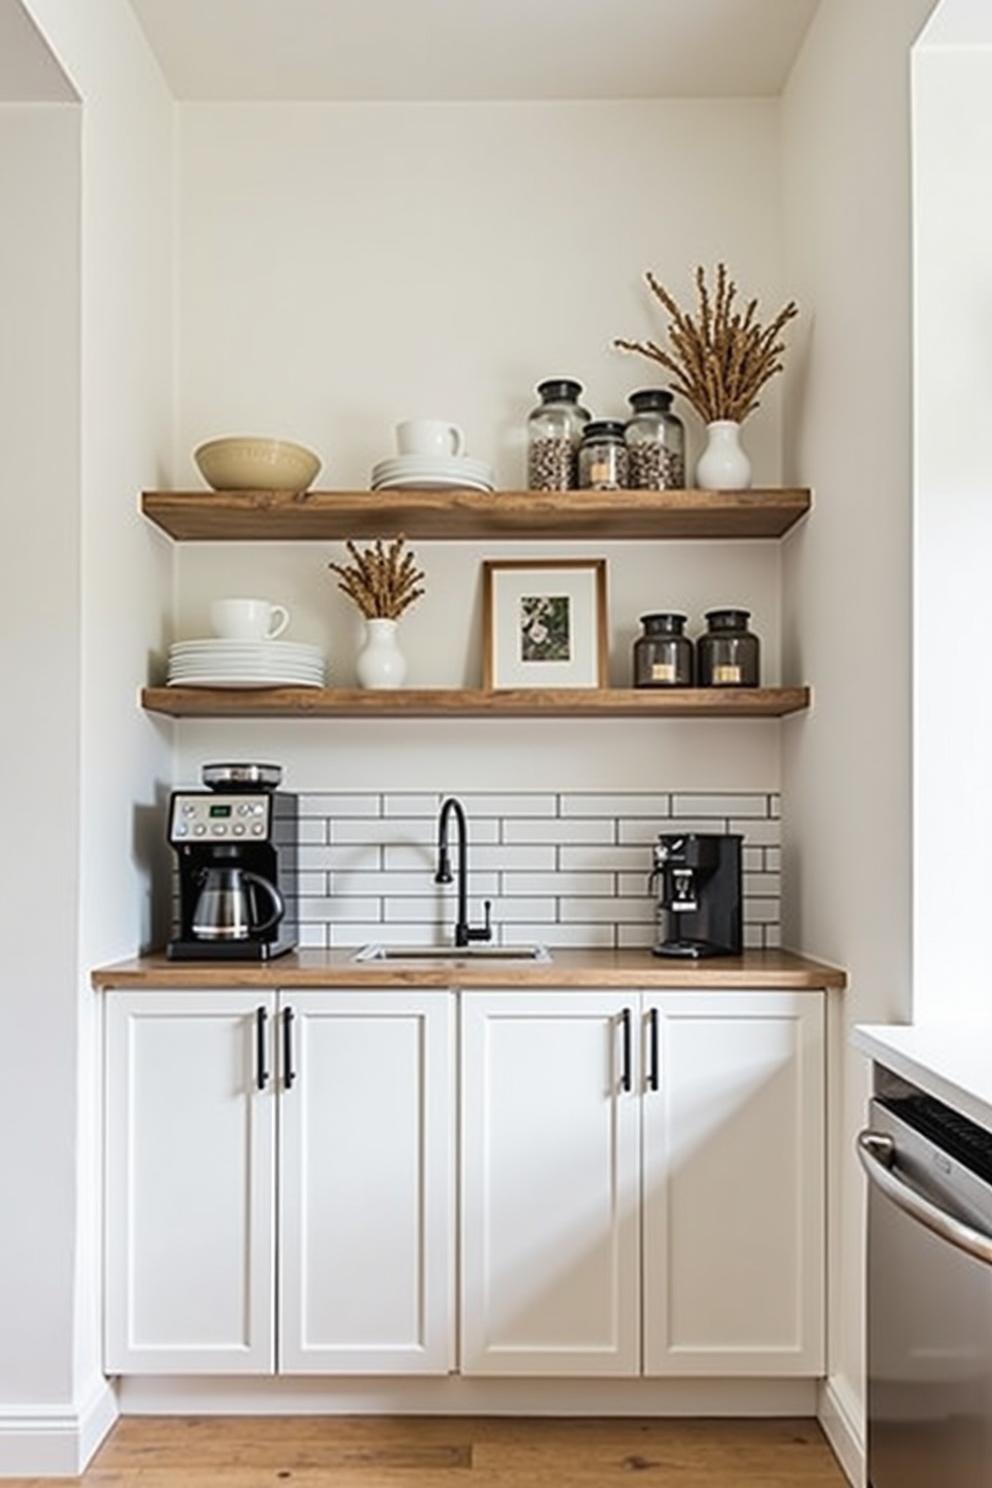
column 465, row 933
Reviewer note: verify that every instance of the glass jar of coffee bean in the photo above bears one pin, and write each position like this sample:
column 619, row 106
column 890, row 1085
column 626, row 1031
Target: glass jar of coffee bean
column 728, row 654
column 554, row 434
column 603, row 456
column 663, row 653
column 655, row 442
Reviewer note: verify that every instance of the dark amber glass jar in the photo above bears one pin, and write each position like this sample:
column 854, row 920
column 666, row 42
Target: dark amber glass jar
column 663, row 654
column 728, row 654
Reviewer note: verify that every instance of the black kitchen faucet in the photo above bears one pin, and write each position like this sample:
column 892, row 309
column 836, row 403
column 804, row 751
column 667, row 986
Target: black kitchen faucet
column 464, row 932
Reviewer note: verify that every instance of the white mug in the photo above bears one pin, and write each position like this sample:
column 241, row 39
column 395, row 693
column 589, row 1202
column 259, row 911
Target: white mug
column 248, row 619
column 432, row 437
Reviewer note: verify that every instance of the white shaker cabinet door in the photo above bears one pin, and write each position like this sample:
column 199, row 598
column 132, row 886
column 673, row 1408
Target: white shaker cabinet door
column 366, row 1251
column 550, row 1163
column 190, row 1183
column 734, row 1184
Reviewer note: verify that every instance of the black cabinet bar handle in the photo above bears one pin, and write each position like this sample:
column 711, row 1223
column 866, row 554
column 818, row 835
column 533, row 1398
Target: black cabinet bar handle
column 626, row 1079
column 288, row 1072
column 654, row 1071
column 261, row 1072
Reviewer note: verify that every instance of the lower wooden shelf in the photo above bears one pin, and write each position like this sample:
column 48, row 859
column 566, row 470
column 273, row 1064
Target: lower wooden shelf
column 413, row 702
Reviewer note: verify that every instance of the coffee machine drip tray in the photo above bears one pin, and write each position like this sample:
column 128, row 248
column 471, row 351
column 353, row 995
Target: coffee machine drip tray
column 689, row 950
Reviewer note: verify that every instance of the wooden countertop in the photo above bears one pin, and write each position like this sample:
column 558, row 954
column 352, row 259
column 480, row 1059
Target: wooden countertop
column 774, row 970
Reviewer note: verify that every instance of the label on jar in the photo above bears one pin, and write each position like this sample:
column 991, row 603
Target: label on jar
column 726, row 676
column 663, row 671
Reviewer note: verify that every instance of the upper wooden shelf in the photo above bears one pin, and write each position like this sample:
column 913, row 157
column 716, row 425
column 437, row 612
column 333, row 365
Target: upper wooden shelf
column 603, row 516
column 421, row 702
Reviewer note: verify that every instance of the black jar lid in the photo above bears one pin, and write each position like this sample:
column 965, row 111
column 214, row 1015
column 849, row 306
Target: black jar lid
column 659, row 398
column 603, row 429
column 664, row 622
column 727, row 619
column 555, row 388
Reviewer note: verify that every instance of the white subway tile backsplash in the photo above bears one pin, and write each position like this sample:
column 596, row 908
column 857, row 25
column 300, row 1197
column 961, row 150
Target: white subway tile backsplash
column 754, row 937
column 632, row 830
column 630, row 803
column 591, row 936
column 569, row 870
column 330, row 804
column 573, row 884
column 313, row 937
column 537, row 803
column 312, row 829
column 411, row 805
column 360, row 883
column 716, row 805
column 773, row 937
column 591, row 829
column 619, row 911
column 592, row 858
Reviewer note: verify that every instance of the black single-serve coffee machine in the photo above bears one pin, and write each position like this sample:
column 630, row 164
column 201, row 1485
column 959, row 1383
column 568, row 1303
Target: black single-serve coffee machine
column 236, row 847
column 699, row 898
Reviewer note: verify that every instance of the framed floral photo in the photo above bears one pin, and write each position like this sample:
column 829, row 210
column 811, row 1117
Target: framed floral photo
column 544, row 623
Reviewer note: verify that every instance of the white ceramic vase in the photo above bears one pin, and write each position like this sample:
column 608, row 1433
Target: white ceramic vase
column 380, row 662
column 723, row 465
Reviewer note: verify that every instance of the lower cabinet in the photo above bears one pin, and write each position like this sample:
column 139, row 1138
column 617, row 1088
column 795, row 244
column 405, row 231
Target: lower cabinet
column 550, row 1183
column 366, row 1215
column 642, row 1183
column 190, row 1184
column 734, row 1178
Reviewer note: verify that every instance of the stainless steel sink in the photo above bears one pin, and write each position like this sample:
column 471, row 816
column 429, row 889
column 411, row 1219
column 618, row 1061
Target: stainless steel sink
column 453, row 953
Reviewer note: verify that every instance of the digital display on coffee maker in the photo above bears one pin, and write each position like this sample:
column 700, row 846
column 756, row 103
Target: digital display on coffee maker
column 220, row 811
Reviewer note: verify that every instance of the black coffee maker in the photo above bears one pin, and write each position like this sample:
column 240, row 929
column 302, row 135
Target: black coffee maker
column 698, row 875
column 236, row 848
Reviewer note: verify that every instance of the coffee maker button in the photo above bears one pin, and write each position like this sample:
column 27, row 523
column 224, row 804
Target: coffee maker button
column 239, row 829
column 199, row 830
column 188, row 809
column 245, row 809
column 219, row 830
column 257, row 829
column 182, row 829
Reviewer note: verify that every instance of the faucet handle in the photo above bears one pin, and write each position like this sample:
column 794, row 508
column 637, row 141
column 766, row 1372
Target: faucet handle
column 483, row 932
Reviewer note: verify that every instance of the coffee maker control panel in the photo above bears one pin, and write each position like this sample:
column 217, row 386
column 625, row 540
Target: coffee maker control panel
column 209, row 816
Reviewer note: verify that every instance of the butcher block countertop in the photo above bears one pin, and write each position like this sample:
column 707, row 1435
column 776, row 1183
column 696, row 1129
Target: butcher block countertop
column 754, row 970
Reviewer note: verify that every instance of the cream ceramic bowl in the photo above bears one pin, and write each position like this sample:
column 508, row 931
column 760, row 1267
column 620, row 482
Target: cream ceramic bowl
column 244, row 464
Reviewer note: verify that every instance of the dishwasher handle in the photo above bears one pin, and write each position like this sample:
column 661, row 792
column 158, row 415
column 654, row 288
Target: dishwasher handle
column 877, row 1153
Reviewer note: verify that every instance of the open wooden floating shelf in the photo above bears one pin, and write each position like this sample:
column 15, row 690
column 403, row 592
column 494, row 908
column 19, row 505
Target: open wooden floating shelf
column 603, row 516
column 312, row 702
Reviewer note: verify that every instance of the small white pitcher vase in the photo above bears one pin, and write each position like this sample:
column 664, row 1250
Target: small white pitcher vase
column 723, row 465
column 380, row 662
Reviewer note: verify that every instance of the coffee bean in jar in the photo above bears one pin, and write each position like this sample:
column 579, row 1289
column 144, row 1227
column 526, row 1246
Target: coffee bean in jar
column 554, row 433
column 603, row 456
column 655, row 442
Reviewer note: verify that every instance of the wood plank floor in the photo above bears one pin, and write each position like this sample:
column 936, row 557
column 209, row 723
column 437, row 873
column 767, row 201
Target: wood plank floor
column 457, row 1452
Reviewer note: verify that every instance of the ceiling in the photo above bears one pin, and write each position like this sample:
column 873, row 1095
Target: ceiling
column 474, row 49
column 28, row 71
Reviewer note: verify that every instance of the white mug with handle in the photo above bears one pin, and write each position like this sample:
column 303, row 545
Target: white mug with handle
column 431, row 437
column 248, row 619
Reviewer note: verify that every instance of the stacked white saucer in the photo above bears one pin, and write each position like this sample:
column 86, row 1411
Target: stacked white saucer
column 431, row 454
column 245, row 652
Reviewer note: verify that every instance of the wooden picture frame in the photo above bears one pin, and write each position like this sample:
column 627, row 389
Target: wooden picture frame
column 574, row 620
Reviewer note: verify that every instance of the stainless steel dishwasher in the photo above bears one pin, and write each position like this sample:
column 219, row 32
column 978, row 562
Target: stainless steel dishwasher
column 929, row 1294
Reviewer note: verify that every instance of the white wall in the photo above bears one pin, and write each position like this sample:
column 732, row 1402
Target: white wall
column 39, row 741
column 952, row 89
column 846, row 597
column 345, row 266
column 121, row 594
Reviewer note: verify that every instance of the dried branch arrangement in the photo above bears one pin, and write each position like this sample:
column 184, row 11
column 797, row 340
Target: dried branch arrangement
column 722, row 356
column 383, row 581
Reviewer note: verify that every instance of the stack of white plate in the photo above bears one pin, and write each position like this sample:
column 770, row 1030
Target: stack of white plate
column 448, row 473
column 223, row 663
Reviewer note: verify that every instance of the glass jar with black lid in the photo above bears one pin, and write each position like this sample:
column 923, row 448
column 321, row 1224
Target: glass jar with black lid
column 728, row 654
column 554, row 433
column 655, row 442
column 663, row 654
column 603, row 456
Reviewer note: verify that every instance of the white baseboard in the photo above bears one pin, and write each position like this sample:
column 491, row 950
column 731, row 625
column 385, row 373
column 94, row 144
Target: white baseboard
column 453, row 1396
column 54, row 1441
column 842, row 1418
